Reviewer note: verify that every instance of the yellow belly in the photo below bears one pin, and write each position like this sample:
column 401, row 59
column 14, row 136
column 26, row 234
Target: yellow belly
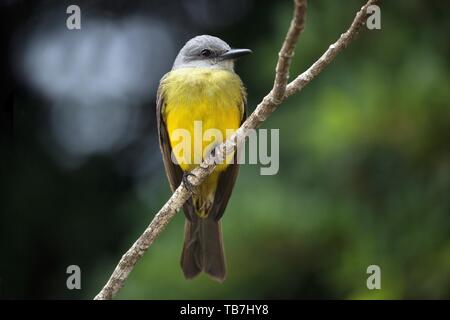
column 202, row 108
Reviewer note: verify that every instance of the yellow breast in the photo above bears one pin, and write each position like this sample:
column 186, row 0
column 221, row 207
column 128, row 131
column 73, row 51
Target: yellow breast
column 204, row 106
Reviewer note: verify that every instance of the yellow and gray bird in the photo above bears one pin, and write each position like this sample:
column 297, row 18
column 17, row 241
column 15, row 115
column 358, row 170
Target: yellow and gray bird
column 202, row 88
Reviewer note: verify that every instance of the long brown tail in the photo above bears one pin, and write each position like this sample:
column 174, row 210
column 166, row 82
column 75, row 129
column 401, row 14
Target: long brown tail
column 203, row 249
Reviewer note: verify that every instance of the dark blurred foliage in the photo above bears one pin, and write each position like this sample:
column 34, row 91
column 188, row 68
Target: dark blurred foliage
column 364, row 175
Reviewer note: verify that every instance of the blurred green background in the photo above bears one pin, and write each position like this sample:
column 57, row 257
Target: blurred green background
column 364, row 175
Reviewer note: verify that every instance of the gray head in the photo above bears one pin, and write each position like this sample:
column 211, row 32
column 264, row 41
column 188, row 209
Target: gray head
column 208, row 51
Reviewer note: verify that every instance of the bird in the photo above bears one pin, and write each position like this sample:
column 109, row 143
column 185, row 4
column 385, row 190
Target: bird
column 201, row 88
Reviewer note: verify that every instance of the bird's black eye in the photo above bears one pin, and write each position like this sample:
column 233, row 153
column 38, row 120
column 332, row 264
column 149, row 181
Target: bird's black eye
column 206, row 53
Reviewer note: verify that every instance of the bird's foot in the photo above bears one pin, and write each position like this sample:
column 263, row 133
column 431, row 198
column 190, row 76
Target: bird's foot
column 187, row 184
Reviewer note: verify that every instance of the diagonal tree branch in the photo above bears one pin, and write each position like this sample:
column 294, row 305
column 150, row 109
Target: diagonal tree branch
column 280, row 91
column 302, row 80
column 287, row 51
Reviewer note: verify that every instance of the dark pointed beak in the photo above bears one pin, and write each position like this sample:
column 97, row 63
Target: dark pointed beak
column 234, row 54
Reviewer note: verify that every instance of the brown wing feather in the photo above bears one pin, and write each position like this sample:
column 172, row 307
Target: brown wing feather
column 226, row 183
column 173, row 171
